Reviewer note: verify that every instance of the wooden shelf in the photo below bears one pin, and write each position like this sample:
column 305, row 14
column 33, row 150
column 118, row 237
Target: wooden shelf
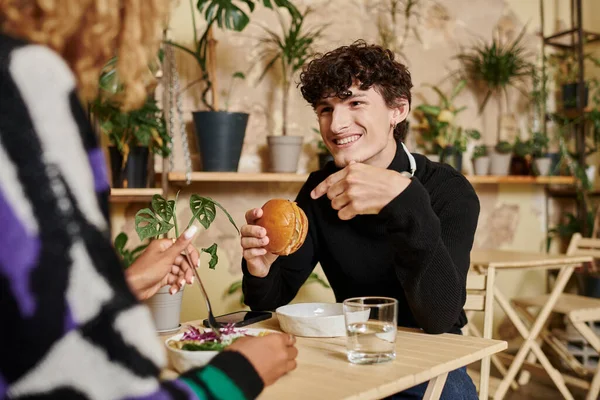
column 179, row 178
column 523, row 180
column 133, row 195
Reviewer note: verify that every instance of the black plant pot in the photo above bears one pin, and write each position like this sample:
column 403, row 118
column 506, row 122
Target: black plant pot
column 570, row 96
column 135, row 172
column 519, row 166
column 451, row 156
column 220, row 137
column 324, row 159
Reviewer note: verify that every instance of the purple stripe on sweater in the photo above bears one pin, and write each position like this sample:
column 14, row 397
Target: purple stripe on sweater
column 182, row 386
column 19, row 254
column 69, row 322
column 160, row 394
column 98, row 164
column 3, row 387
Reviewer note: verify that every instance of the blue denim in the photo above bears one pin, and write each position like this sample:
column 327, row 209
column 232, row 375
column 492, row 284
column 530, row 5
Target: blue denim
column 459, row 386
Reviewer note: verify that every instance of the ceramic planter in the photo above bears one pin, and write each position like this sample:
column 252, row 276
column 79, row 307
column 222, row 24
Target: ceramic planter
column 165, row 309
column 284, row 152
column 482, row 165
column 220, row 138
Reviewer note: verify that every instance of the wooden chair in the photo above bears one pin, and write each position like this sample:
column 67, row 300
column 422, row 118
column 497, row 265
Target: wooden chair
column 579, row 311
column 479, row 299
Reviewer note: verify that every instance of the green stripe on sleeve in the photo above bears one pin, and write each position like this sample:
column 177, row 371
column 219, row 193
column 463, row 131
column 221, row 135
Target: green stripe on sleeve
column 220, row 385
column 198, row 391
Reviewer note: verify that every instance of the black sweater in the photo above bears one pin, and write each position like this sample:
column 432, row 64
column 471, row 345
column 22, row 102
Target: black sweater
column 415, row 250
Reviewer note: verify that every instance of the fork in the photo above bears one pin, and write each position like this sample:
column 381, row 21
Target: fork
column 212, row 322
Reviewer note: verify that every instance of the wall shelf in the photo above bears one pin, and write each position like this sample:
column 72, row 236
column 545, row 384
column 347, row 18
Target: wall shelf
column 179, row 178
column 133, row 195
column 524, row 180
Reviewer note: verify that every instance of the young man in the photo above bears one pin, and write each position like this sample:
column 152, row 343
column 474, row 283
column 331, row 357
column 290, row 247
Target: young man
column 382, row 221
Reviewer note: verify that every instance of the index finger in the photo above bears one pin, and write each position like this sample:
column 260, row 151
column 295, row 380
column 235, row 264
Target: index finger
column 253, row 215
column 324, row 186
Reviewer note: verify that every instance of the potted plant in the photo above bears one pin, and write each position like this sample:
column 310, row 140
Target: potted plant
column 494, row 67
column 481, row 160
column 519, row 164
column 220, row 133
column 289, row 51
column 438, row 132
column 539, row 151
column 133, row 135
column 500, row 158
column 565, row 71
column 161, row 221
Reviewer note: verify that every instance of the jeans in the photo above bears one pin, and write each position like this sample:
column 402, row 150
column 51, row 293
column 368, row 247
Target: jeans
column 458, row 386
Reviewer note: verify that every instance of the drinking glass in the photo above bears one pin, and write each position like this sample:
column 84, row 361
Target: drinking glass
column 371, row 325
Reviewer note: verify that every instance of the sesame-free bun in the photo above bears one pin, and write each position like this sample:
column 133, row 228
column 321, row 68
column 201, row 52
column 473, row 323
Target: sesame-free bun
column 286, row 226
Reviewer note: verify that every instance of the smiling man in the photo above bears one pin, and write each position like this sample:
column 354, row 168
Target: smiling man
column 382, row 221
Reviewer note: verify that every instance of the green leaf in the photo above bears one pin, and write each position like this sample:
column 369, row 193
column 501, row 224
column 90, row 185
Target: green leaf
column 149, row 225
column 214, row 258
column 427, row 109
column 120, row 242
column 234, row 287
column 163, row 208
column 239, row 75
column 203, row 210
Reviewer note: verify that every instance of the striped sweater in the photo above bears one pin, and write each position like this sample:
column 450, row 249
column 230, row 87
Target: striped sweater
column 70, row 328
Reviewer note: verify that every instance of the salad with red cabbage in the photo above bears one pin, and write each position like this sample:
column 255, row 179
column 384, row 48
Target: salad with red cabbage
column 195, row 339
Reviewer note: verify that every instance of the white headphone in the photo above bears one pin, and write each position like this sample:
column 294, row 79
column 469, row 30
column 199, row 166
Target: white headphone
column 412, row 162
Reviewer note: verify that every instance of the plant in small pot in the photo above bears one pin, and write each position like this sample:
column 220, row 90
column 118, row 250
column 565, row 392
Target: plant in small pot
column 539, row 151
column 500, row 158
column 481, row 160
column 519, row 164
column 564, row 67
column 454, row 143
column 161, row 221
column 436, row 127
column 220, row 133
column 289, row 51
column 133, row 135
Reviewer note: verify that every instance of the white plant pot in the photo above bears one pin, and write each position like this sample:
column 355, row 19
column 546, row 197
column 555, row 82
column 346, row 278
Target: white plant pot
column 284, row 152
column 542, row 165
column 482, row 165
column 500, row 163
column 165, row 309
column 433, row 157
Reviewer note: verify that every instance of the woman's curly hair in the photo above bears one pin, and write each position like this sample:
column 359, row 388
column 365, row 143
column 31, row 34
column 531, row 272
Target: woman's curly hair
column 87, row 33
column 332, row 73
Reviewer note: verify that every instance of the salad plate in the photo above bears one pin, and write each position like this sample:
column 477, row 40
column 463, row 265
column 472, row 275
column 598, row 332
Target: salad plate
column 197, row 346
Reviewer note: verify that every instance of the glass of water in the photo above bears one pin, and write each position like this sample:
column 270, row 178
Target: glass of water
column 371, row 325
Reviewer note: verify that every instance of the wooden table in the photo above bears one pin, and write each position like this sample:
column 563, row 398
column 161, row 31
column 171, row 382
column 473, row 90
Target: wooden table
column 492, row 261
column 323, row 371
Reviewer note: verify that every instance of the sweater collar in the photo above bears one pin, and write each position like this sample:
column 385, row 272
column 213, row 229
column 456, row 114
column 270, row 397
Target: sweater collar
column 401, row 161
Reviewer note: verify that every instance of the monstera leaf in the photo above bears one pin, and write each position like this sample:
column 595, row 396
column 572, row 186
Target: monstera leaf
column 204, row 211
column 214, row 259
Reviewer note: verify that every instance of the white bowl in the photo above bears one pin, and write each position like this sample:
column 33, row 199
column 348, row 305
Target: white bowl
column 314, row 319
column 183, row 360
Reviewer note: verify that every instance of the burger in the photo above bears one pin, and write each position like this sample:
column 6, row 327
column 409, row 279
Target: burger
column 286, row 226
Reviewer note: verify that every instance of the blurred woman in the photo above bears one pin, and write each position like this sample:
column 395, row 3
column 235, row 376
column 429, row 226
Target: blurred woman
column 72, row 326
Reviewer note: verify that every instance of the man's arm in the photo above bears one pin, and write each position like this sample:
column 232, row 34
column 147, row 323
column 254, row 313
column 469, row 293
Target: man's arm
column 433, row 251
column 288, row 273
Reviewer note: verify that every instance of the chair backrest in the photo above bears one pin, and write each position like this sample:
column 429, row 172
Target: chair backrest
column 584, row 246
column 475, row 292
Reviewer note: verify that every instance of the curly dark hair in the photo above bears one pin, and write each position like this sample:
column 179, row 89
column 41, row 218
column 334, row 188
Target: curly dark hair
column 332, row 73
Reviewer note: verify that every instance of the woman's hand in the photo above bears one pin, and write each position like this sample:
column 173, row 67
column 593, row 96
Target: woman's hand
column 162, row 263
